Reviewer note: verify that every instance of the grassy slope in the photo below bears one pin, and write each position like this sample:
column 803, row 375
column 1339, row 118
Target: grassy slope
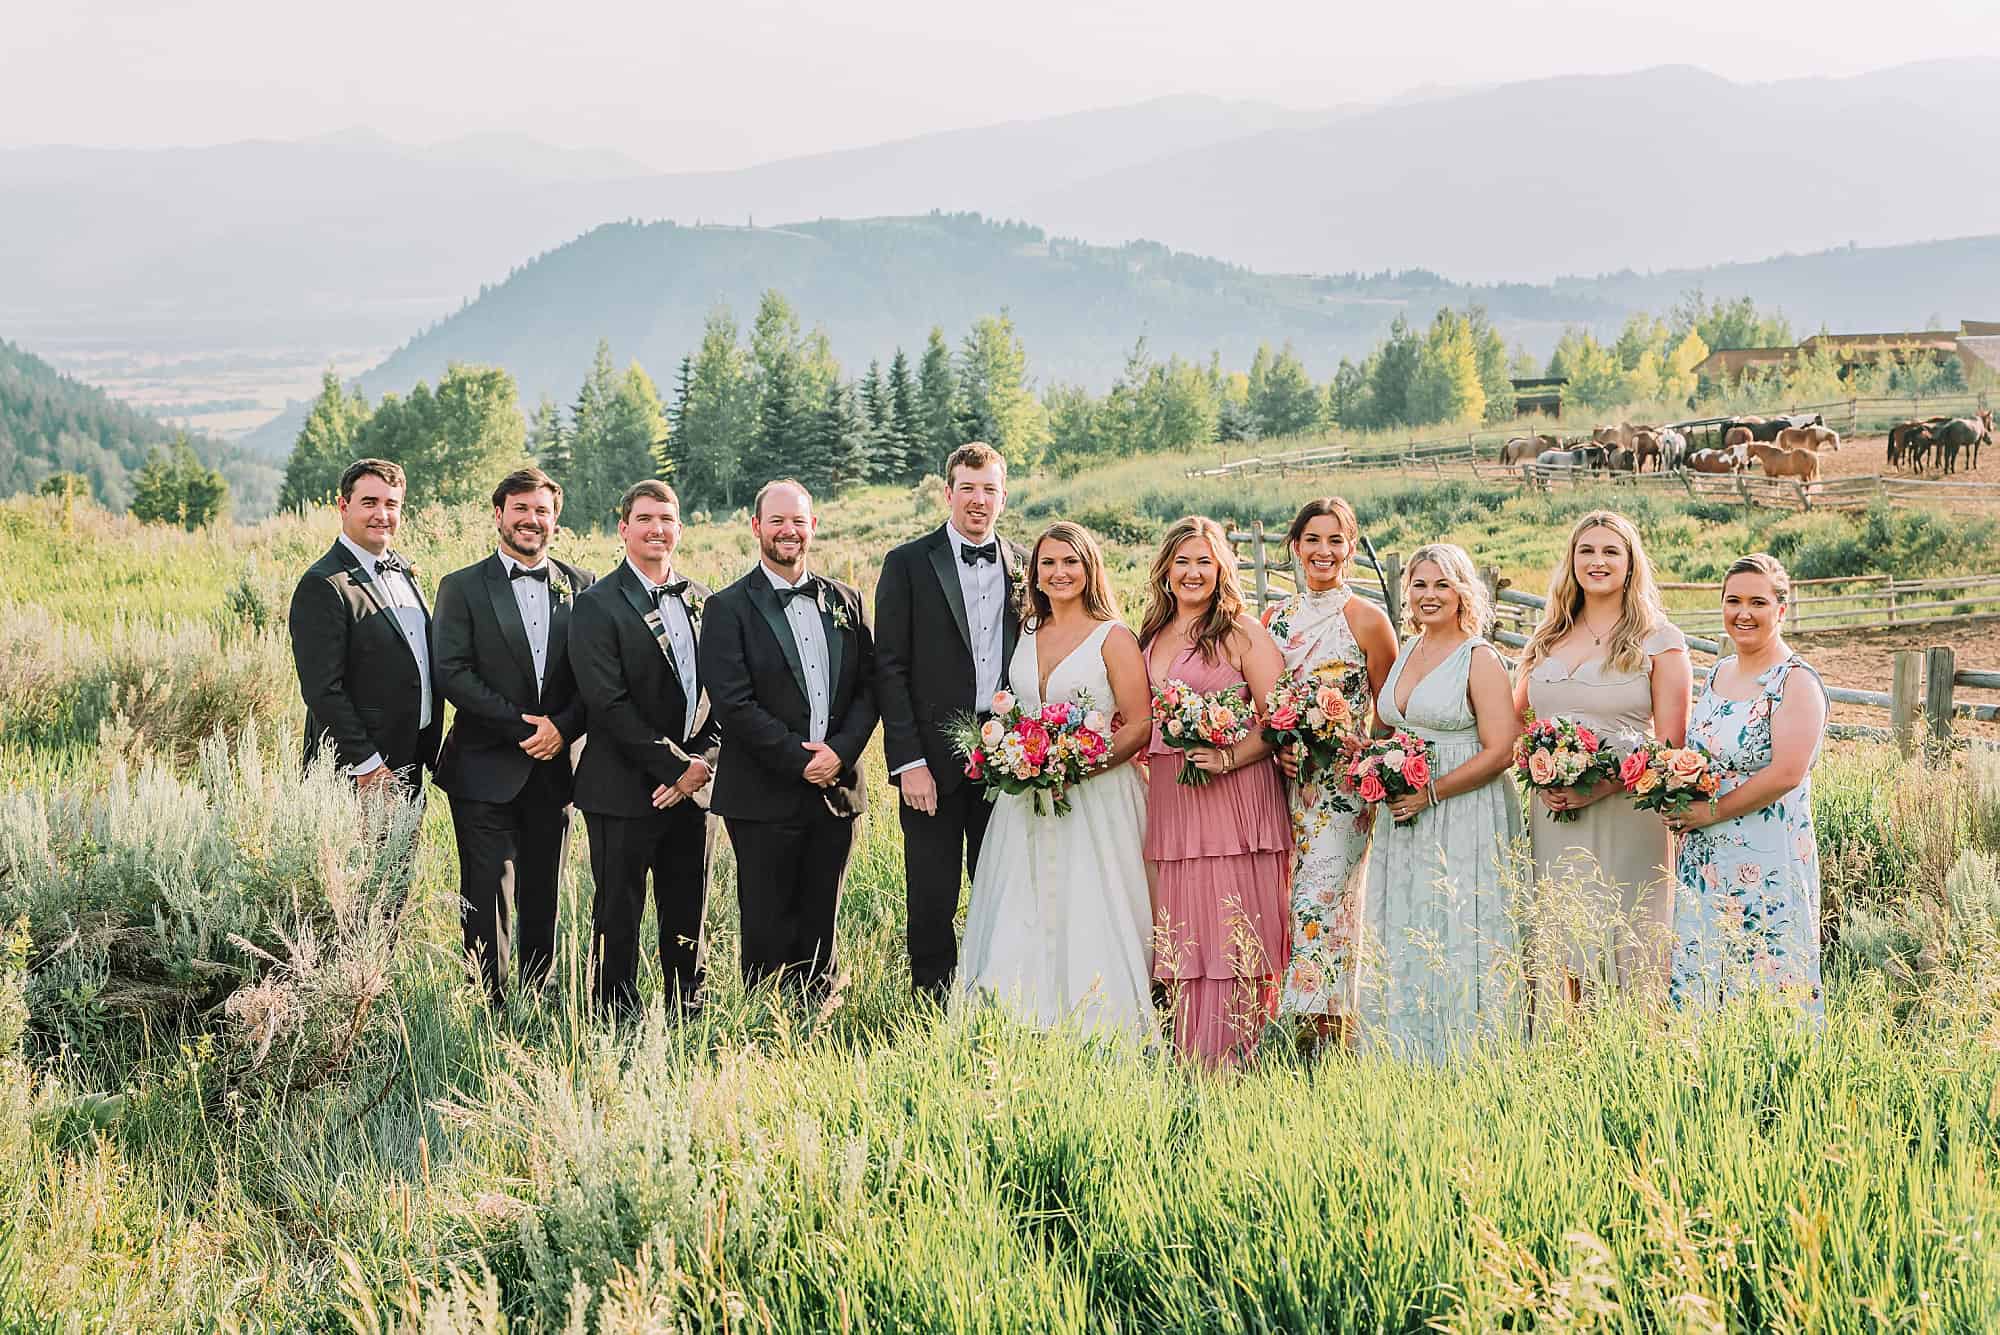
column 765, row 1167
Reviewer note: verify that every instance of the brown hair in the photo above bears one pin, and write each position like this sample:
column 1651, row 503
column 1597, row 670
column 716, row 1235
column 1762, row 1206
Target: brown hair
column 1098, row 600
column 391, row 473
column 1639, row 615
column 1219, row 621
column 1767, row 565
column 973, row 454
column 1318, row 508
column 757, row 504
column 651, row 489
column 527, row 479
column 1455, row 564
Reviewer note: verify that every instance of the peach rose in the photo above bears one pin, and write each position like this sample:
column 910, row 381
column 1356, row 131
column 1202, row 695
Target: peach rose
column 1541, row 768
column 1003, row 701
column 1685, row 767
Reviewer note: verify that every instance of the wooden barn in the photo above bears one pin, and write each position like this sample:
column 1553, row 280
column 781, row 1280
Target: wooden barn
column 1541, row 395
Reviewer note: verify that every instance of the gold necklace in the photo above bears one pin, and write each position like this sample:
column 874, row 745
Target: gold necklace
column 1595, row 638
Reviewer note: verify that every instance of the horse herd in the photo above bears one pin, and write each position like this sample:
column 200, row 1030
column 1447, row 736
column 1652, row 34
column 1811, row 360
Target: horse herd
column 1787, row 446
column 1914, row 444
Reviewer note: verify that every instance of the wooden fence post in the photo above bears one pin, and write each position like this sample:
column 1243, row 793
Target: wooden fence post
column 1490, row 577
column 1905, row 689
column 1392, row 583
column 1940, row 666
column 1262, row 568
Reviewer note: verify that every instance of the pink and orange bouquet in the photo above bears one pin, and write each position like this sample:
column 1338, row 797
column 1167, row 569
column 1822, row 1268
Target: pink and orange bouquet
column 1669, row 779
column 1188, row 719
column 1562, row 753
column 1392, row 766
column 1310, row 710
column 1044, row 753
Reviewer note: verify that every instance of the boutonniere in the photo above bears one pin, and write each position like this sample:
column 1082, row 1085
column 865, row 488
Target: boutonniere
column 839, row 614
column 694, row 602
column 559, row 590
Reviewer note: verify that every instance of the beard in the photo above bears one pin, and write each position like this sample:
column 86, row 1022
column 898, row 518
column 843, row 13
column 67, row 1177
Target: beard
column 526, row 542
column 772, row 554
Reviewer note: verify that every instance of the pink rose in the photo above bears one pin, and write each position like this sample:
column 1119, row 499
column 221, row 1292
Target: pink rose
column 1285, row 718
column 1371, row 789
column 1541, row 769
column 1586, row 738
column 1631, row 767
column 1417, row 770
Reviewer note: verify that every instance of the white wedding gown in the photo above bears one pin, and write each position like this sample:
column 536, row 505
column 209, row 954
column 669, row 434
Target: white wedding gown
column 1061, row 925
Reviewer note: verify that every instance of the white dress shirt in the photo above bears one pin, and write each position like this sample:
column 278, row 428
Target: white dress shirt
column 680, row 636
column 983, row 585
column 809, row 634
column 532, row 597
column 397, row 592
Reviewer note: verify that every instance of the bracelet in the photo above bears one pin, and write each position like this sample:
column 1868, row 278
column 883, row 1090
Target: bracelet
column 1432, row 790
column 1228, row 758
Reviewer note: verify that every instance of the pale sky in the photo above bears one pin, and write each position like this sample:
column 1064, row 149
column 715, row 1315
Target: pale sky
column 726, row 84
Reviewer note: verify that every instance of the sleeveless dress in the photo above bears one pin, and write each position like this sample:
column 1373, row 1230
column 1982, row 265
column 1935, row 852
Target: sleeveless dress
column 1604, row 889
column 1060, row 926
column 1746, row 915
column 1222, row 860
column 1439, row 970
column 1329, row 846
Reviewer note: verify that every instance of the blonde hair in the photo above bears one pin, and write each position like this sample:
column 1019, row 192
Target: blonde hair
column 1098, row 600
column 1455, row 564
column 1640, row 612
column 1767, row 565
column 1224, row 607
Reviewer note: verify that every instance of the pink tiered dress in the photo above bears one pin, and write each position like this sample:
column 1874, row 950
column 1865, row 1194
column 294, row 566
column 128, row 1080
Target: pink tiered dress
column 1222, row 861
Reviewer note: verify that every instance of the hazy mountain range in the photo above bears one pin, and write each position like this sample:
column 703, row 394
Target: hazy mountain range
column 1577, row 175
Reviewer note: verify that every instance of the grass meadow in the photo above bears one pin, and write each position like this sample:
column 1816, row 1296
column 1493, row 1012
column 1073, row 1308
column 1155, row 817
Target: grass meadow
column 248, row 1086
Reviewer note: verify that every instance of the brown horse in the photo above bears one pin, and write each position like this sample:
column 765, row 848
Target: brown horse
column 1736, row 435
column 1523, row 449
column 1776, row 461
column 1645, row 445
column 1712, row 461
column 1819, row 438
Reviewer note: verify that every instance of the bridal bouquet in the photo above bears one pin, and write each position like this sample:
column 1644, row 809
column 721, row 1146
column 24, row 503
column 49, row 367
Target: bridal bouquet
column 1044, row 753
column 1562, row 753
column 1669, row 779
column 1188, row 719
column 1311, row 710
column 1392, row 766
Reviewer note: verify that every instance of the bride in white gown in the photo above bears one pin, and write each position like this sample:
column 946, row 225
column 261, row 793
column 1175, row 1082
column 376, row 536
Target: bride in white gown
column 1060, row 929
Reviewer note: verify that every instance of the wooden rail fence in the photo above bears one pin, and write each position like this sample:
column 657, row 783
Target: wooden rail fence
column 1919, row 704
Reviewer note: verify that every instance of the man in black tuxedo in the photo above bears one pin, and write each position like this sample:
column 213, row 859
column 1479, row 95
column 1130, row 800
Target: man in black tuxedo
column 361, row 641
column 791, row 668
column 643, row 781
column 503, row 660
column 945, row 628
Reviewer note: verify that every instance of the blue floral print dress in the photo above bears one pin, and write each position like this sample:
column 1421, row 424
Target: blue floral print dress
column 1746, row 910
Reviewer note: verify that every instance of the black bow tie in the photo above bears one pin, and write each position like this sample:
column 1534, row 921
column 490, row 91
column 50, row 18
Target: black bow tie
column 390, row 563
column 540, row 572
column 666, row 591
column 809, row 589
column 972, row 555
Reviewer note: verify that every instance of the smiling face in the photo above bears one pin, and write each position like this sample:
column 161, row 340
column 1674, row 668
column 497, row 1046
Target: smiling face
column 527, row 520
column 1601, row 562
column 1433, row 601
column 1060, row 571
column 372, row 514
column 652, row 532
column 977, row 497
column 1192, row 574
column 1751, row 612
column 1322, row 551
column 784, row 526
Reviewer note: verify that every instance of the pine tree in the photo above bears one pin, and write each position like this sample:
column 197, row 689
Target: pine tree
column 937, row 402
column 548, row 441
column 1288, row 403
column 717, row 415
column 905, row 437
column 1395, row 363
column 997, row 405
column 588, row 498
column 175, row 487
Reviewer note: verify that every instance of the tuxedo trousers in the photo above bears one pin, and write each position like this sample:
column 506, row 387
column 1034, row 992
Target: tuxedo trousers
column 934, row 850
column 788, row 880
column 510, row 857
column 671, row 846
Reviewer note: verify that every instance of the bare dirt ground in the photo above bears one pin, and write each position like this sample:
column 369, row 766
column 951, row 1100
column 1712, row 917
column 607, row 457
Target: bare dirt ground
column 1861, row 456
column 1861, row 660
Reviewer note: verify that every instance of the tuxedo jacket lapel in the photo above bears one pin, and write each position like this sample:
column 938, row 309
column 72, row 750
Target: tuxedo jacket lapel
column 500, row 592
column 362, row 580
column 836, row 639
column 945, row 562
column 766, row 598
column 559, row 611
column 1011, row 560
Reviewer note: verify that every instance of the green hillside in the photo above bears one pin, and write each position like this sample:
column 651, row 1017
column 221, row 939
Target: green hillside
column 51, row 423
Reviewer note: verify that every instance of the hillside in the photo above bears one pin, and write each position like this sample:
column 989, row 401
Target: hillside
column 881, row 283
column 51, row 423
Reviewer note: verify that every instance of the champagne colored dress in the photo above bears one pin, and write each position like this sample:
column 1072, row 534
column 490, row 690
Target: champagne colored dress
column 1603, row 907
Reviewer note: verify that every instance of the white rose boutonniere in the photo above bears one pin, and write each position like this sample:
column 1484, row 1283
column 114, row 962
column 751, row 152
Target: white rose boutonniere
column 560, row 591
column 839, row 614
column 694, row 602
